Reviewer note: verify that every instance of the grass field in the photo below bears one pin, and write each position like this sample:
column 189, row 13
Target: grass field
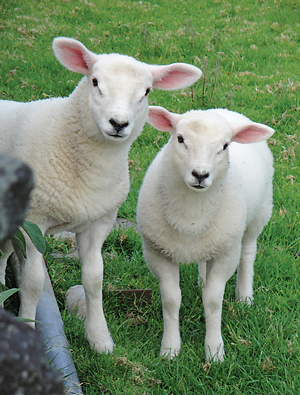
column 249, row 52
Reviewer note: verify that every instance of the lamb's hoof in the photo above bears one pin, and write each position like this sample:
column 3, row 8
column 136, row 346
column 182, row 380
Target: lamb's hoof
column 245, row 300
column 75, row 300
column 169, row 353
column 103, row 348
column 215, row 357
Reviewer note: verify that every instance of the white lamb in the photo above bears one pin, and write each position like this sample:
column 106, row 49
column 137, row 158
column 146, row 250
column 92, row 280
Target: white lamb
column 205, row 199
column 78, row 147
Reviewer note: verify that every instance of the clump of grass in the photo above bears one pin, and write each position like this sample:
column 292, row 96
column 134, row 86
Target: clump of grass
column 206, row 103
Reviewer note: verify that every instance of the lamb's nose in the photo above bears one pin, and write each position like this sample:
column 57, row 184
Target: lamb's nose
column 118, row 126
column 200, row 177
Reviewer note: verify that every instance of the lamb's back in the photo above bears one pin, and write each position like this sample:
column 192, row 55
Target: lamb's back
column 27, row 126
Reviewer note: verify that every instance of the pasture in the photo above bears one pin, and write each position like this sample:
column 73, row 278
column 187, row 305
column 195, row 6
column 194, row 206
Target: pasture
column 249, row 54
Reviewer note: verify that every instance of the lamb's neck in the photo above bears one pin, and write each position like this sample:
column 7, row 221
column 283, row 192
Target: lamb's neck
column 79, row 99
column 187, row 210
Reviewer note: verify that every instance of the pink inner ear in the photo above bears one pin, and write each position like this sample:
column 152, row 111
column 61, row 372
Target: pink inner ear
column 170, row 80
column 252, row 134
column 74, row 58
column 160, row 120
column 174, row 76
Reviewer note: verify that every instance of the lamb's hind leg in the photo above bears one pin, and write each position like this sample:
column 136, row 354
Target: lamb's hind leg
column 244, row 284
column 202, row 274
column 167, row 274
column 89, row 243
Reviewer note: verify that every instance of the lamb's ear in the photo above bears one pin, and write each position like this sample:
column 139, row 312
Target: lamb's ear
column 243, row 130
column 161, row 119
column 251, row 133
column 174, row 76
column 74, row 55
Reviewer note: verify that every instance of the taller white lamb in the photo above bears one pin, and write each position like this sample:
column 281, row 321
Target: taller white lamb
column 205, row 198
column 78, row 147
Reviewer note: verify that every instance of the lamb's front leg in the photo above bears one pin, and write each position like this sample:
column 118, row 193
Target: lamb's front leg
column 218, row 273
column 89, row 243
column 167, row 274
column 6, row 250
column 31, row 282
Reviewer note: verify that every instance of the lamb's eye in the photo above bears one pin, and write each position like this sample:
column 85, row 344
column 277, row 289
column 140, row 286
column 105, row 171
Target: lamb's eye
column 95, row 82
column 147, row 91
column 180, row 139
column 225, row 146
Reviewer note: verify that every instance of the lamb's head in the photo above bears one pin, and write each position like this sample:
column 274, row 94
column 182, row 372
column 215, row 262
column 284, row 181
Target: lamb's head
column 200, row 140
column 119, row 85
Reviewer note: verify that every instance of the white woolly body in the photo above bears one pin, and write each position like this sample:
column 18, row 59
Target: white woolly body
column 78, row 148
column 215, row 219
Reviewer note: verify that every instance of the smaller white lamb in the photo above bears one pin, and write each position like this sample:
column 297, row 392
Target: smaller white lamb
column 78, row 148
column 205, row 198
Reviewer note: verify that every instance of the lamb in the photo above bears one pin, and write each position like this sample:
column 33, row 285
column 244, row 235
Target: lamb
column 78, row 147
column 205, row 198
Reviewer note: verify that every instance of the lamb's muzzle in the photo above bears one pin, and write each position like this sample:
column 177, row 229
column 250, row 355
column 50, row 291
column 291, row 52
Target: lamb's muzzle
column 119, row 127
column 200, row 177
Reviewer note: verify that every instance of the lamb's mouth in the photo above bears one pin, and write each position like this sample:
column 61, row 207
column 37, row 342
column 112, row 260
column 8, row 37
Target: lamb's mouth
column 198, row 186
column 117, row 135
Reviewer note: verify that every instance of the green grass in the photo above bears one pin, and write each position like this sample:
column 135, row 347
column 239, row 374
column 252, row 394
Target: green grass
column 252, row 47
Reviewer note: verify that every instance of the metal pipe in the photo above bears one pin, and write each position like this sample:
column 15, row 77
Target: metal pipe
column 50, row 326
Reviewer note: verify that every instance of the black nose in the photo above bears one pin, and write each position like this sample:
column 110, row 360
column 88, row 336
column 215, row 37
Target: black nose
column 200, row 177
column 118, row 126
